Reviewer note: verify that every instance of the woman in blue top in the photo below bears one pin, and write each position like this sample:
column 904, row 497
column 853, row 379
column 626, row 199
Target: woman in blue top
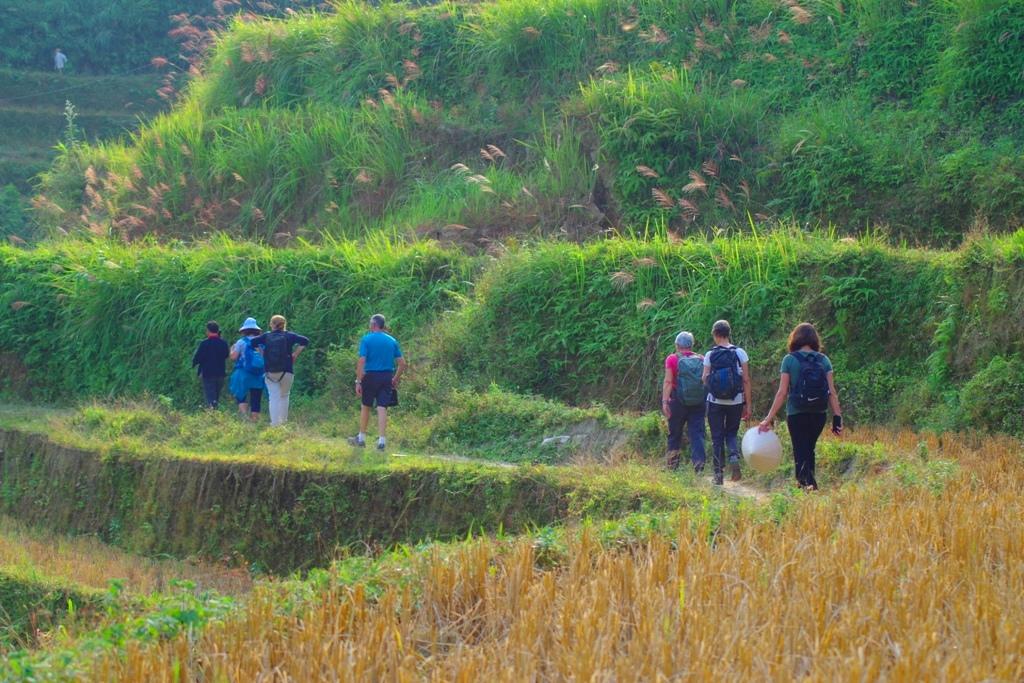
column 808, row 388
column 247, row 378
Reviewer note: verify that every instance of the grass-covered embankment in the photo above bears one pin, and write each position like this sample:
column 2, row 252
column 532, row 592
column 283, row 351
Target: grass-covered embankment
column 292, row 510
column 923, row 337
column 569, row 116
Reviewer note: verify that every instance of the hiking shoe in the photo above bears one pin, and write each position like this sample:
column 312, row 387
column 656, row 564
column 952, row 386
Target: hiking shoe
column 698, row 468
column 719, row 478
column 735, row 471
column 357, row 442
column 672, row 463
column 381, row 445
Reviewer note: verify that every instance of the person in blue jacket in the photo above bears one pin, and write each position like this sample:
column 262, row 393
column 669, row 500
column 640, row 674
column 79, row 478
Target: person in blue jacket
column 247, row 383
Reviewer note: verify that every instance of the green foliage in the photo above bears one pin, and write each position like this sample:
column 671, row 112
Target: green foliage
column 505, row 426
column 611, row 309
column 31, row 604
column 140, row 312
column 97, row 35
column 663, row 121
column 982, row 67
column 101, row 36
column 158, row 617
column 991, row 399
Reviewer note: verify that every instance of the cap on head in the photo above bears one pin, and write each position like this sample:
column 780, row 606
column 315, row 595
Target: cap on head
column 684, row 340
column 377, row 321
column 250, row 325
column 722, row 329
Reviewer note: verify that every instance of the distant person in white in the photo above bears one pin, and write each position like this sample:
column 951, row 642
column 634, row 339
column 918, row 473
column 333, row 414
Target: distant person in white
column 60, row 60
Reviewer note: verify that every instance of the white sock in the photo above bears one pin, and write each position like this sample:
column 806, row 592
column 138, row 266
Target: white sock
column 381, row 441
column 361, row 437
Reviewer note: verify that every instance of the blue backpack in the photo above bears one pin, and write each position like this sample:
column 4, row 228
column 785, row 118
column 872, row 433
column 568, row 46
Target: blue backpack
column 724, row 379
column 250, row 360
column 811, row 391
column 689, row 388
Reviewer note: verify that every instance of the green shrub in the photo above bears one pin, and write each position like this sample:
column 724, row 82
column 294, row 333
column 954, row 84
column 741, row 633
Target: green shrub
column 505, row 426
column 991, row 400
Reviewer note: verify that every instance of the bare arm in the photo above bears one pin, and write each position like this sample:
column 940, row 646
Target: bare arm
column 780, row 398
column 360, row 372
column 666, row 394
column 833, row 397
column 234, row 354
column 666, row 387
column 401, row 365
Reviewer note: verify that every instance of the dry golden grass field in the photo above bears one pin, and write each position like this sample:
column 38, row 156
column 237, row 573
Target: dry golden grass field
column 913, row 575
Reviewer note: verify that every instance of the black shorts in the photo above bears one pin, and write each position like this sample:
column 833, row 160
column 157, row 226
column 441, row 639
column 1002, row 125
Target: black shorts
column 377, row 390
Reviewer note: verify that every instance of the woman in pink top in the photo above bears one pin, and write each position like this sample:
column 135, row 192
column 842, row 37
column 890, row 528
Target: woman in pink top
column 684, row 401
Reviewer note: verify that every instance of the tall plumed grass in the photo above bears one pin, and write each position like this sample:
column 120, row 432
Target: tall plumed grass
column 121, row 319
column 915, row 576
column 907, row 329
column 595, row 322
column 677, row 147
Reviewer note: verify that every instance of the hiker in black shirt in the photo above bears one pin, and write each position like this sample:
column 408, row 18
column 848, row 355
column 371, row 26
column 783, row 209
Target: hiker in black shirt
column 279, row 348
column 209, row 361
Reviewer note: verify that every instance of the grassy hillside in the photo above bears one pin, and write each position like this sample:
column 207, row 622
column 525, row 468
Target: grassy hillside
column 918, row 336
column 471, row 121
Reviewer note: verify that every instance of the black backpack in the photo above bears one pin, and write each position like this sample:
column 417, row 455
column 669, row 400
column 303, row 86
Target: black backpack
column 276, row 351
column 811, row 391
column 724, row 379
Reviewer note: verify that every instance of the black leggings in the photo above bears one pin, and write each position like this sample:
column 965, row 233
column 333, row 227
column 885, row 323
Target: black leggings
column 804, row 430
column 253, row 399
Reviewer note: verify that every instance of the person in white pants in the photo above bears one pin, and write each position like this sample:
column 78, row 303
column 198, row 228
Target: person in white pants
column 278, row 393
column 280, row 349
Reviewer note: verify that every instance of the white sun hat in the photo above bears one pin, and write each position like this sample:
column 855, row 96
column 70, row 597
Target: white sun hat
column 250, row 324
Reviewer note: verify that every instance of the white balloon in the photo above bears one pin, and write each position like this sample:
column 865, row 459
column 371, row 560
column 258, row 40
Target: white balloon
column 762, row 450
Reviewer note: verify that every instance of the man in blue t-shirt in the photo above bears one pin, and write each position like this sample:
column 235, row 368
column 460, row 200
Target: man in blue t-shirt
column 378, row 372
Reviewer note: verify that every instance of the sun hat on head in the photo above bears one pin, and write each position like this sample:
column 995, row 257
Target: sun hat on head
column 684, row 340
column 250, row 324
